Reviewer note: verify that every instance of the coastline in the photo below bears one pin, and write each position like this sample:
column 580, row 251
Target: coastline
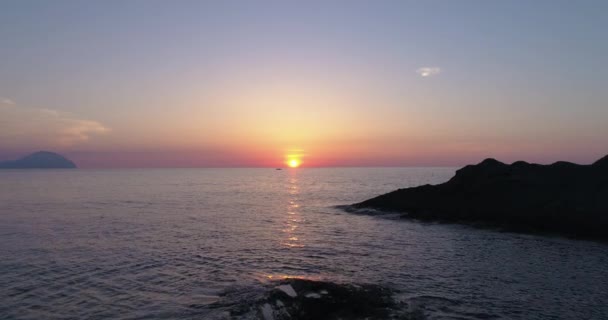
column 559, row 199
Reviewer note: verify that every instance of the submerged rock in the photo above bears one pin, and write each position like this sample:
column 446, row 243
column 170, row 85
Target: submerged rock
column 340, row 301
column 288, row 290
column 563, row 197
column 299, row 299
column 267, row 312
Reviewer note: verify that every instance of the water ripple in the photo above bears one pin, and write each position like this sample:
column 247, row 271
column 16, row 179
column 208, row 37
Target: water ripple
column 173, row 244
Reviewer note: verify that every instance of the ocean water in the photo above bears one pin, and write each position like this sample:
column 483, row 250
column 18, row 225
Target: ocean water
column 177, row 243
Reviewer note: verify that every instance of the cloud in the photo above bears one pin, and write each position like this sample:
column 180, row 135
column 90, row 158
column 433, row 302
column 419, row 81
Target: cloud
column 25, row 127
column 6, row 101
column 428, row 71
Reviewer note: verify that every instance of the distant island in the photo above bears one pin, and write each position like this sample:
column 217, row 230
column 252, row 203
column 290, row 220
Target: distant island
column 39, row 160
column 563, row 198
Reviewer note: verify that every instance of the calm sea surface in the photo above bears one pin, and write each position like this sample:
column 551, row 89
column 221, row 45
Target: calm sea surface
column 129, row 244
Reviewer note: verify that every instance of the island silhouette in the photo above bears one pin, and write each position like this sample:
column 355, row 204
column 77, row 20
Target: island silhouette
column 563, row 198
column 39, row 160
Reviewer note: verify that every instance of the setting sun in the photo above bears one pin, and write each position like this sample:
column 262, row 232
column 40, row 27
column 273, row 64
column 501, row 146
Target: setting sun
column 293, row 163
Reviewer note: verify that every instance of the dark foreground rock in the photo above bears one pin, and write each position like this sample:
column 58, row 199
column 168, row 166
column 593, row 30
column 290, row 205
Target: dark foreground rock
column 562, row 198
column 39, row 160
column 300, row 299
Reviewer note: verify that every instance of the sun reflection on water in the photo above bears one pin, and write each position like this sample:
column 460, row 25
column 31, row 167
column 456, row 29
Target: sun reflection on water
column 264, row 277
column 293, row 217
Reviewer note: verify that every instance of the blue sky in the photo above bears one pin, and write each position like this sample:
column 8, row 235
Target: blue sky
column 510, row 79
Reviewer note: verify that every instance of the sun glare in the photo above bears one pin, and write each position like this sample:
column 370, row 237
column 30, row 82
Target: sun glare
column 293, row 163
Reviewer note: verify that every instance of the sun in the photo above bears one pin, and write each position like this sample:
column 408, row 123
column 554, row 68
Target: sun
column 293, row 163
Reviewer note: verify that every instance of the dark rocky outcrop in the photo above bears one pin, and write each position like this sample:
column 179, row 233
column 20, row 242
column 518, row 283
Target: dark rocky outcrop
column 563, row 198
column 301, row 299
column 39, row 160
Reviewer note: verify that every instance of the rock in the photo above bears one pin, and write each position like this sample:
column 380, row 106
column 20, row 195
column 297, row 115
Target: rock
column 313, row 300
column 288, row 290
column 563, row 198
column 337, row 301
column 39, row 160
column 267, row 312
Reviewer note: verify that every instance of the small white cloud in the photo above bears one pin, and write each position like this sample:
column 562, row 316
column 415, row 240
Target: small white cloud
column 428, row 71
column 39, row 127
column 7, row 101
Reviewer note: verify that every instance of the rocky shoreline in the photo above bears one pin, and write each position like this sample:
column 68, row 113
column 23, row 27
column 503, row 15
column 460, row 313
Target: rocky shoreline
column 561, row 198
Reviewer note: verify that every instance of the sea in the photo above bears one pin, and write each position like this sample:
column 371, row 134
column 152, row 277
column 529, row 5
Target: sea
column 182, row 243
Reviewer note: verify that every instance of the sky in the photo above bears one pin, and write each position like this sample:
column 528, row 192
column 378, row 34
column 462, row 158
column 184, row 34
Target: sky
column 331, row 83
